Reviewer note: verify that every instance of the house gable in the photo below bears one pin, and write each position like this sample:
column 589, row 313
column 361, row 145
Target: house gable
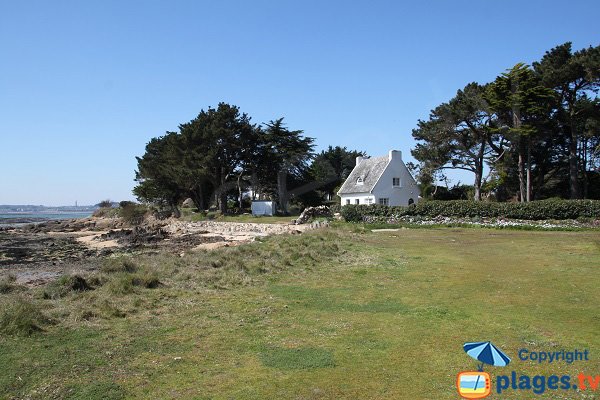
column 364, row 175
column 396, row 195
column 385, row 180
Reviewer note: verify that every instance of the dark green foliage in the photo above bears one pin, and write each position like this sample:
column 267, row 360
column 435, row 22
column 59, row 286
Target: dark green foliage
column 288, row 154
column 536, row 128
column 457, row 135
column 535, row 210
column 331, row 167
column 218, row 155
column 19, row 316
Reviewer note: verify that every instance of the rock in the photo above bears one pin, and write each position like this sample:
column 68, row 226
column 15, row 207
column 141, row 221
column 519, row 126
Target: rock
column 313, row 212
column 188, row 203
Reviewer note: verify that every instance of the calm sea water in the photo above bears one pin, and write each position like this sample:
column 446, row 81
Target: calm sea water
column 17, row 218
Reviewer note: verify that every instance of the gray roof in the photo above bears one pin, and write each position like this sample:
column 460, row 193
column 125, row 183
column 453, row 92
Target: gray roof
column 369, row 169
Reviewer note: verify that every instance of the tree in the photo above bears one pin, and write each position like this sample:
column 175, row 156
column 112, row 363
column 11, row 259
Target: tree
column 521, row 105
column 571, row 76
column 214, row 148
column 457, row 135
column 286, row 152
column 331, row 167
column 216, row 153
column 157, row 173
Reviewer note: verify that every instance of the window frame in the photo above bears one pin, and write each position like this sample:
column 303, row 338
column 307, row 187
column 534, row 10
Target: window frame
column 384, row 201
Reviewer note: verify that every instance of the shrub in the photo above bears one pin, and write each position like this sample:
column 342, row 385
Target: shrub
column 146, row 279
column 124, row 283
column 65, row 285
column 535, row 210
column 105, row 204
column 118, row 264
column 133, row 214
column 7, row 284
column 335, row 208
column 19, row 316
column 105, row 212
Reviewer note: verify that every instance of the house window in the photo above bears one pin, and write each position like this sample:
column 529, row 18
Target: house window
column 396, row 182
column 369, row 200
column 347, row 201
column 359, row 181
column 384, row 201
column 357, row 201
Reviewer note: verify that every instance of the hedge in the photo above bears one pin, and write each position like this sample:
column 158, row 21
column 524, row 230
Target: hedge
column 535, row 210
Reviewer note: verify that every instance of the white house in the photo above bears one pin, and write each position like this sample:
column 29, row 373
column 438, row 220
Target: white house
column 380, row 180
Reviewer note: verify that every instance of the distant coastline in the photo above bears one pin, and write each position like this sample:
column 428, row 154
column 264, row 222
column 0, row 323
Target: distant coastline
column 14, row 215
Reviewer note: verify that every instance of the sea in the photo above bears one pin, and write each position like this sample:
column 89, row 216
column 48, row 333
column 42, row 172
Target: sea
column 21, row 218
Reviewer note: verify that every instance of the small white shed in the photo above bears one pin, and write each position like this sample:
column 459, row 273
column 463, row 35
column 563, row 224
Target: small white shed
column 263, row 207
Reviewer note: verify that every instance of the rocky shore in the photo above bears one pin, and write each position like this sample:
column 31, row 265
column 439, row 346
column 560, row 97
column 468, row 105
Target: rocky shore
column 40, row 252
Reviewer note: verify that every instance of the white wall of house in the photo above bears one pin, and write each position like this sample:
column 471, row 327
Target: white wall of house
column 397, row 195
column 362, row 198
column 263, row 207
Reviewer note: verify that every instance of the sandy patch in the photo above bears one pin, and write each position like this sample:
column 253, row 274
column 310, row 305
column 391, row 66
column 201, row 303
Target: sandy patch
column 92, row 241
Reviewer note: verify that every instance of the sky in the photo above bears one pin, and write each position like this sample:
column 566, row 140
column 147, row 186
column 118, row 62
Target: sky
column 84, row 85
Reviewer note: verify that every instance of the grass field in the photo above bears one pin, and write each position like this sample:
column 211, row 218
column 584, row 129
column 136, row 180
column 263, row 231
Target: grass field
column 342, row 313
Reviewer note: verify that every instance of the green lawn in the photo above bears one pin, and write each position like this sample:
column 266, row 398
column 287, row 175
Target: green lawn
column 333, row 314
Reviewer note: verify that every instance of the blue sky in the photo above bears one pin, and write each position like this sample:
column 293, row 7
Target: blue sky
column 84, row 85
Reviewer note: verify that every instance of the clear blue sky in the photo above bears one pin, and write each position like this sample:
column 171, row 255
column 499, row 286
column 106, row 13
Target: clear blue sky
column 84, row 85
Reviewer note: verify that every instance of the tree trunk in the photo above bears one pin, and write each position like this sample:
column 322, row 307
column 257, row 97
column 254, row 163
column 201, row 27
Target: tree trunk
column 521, row 167
column 584, row 158
column 516, row 116
column 223, row 202
column 239, row 187
column 528, row 170
column 282, row 191
column 477, row 185
column 573, row 182
column 221, row 194
column 479, row 170
column 198, row 197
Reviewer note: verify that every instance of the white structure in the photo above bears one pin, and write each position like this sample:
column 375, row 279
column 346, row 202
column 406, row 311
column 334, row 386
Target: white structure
column 380, row 180
column 263, row 207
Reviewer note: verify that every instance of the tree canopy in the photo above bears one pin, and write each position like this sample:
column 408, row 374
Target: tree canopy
column 220, row 153
column 534, row 129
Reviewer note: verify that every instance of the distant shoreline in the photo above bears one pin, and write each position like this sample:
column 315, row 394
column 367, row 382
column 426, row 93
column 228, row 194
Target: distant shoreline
column 18, row 218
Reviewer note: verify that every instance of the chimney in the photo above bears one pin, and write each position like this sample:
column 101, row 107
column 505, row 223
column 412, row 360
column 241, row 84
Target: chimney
column 395, row 155
column 358, row 160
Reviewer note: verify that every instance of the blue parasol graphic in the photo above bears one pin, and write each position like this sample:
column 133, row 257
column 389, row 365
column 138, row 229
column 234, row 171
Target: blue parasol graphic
column 486, row 353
